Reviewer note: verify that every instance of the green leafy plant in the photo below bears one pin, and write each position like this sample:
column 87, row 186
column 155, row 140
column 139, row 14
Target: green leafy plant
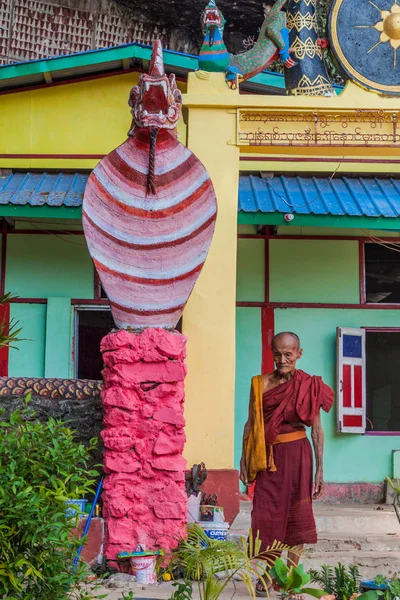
column 213, row 564
column 392, row 587
column 292, row 580
column 9, row 330
column 395, row 485
column 183, row 590
column 41, row 467
column 341, row 581
column 127, row 596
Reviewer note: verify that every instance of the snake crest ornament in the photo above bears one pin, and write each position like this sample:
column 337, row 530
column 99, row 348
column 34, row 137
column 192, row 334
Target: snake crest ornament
column 365, row 38
column 149, row 210
column 272, row 44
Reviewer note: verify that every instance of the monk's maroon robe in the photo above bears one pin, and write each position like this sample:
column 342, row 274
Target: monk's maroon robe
column 282, row 506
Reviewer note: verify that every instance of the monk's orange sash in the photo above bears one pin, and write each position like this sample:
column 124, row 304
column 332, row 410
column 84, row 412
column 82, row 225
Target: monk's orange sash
column 283, row 438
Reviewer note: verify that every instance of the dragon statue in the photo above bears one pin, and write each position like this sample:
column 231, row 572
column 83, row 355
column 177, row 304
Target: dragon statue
column 149, row 210
column 272, row 44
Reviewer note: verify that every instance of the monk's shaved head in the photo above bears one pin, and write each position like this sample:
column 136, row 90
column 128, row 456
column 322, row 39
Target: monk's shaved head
column 286, row 334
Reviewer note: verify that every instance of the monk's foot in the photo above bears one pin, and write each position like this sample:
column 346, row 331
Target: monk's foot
column 261, row 590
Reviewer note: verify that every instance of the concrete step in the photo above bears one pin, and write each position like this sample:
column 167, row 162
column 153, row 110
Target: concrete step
column 365, row 535
column 369, row 563
column 351, row 520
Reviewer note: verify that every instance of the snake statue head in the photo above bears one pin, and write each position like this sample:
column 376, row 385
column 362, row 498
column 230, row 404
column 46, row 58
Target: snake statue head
column 211, row 20
column 155, row 101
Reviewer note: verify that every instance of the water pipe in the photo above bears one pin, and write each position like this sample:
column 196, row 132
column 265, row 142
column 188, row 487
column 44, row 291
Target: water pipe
column 96, row 497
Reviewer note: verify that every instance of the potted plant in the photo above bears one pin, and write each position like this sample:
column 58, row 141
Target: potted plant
column 291, row 581
column 342, row 582
column 213, row 564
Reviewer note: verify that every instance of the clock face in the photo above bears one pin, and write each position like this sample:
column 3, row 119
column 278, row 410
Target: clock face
column 365, row 38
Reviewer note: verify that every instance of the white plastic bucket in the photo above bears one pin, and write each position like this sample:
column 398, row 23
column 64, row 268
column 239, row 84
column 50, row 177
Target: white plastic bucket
column 144, row 567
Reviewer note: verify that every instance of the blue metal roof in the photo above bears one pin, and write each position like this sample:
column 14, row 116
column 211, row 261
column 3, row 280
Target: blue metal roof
column 337, row 196
column 37, row 189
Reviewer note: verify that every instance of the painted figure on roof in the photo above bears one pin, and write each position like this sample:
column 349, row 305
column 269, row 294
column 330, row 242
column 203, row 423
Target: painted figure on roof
column 272, row 44
column 149, row 210
column 309, row 76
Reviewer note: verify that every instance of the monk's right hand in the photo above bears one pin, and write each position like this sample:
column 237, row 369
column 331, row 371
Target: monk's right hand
column 243, row 473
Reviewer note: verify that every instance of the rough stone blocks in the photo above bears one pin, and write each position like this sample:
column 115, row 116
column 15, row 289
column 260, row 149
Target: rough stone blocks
column 144, row 500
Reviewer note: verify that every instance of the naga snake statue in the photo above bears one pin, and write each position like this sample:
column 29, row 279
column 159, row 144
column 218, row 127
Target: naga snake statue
column 272, row 44
column 149, row 210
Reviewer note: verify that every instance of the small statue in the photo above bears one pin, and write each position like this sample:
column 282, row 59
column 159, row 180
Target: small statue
column 272, row 44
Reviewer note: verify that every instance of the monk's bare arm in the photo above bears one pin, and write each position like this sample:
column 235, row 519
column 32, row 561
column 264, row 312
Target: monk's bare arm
column 317, row 436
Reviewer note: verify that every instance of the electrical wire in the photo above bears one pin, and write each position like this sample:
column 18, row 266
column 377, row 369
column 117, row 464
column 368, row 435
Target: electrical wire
column 311, row 201
column 63, row 232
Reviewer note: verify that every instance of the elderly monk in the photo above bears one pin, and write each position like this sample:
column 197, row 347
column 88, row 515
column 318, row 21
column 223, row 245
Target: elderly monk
column 277, row 453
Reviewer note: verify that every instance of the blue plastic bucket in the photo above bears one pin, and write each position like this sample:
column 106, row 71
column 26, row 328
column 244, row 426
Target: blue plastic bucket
column 215, row 531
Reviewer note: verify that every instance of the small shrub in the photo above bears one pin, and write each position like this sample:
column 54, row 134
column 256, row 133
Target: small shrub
column 41, row 467
column 339, row 580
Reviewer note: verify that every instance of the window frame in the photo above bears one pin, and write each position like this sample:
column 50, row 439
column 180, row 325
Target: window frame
column 75, row 345
column 373, row 432
column 363, row 278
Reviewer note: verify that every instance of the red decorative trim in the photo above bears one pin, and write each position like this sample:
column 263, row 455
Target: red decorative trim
column 252, row 236
column 29, row 301
column 382, row 329
column 4, row 352
column 90, row 302
column 44, row 232
column 296, row 159
column 3, row 258
column 266, row 270
column 267, row 333
column 55, row 156
column 316, row 305
column 96, row 285
column 361, row 261
column 384, row 433
column 351, row 238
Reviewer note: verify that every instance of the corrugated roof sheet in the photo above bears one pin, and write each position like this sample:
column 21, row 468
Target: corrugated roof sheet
column 37, row 189
column 339, row 196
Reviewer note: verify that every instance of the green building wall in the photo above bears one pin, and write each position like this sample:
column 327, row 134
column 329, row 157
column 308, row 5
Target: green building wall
column 57, row 267
column 53, row 268
column 310, row 271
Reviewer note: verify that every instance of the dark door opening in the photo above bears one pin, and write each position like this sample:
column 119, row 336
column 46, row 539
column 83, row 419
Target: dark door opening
column 92, row 326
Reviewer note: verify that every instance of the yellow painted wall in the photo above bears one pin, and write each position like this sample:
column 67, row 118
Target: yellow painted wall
column 90, row 117
column 209, row 318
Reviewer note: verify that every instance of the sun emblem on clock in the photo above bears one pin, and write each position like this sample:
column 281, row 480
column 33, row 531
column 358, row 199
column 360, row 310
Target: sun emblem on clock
column 388, row 26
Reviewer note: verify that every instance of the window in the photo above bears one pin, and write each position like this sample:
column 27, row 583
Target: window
column 91, row 325
column 383, row 379
column 368, row 380
column 382, row 274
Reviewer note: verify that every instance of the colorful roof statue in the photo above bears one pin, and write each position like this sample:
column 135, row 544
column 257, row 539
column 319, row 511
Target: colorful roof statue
column 149, row 210
column 309, row 76
column 272, row 44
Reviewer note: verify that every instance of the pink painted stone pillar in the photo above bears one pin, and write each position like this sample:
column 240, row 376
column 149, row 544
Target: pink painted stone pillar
column 144, row 499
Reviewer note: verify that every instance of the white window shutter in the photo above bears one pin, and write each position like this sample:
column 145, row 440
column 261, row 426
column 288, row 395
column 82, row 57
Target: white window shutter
column 351, row 380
